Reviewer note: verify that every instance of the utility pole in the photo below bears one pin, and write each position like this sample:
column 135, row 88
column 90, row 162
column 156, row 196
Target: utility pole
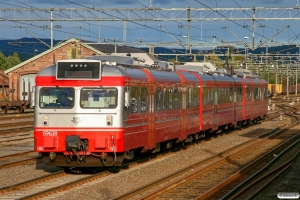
column 296, row 92
column 276, row 78
column 51, row 27
column 189, row 28
column 287, row 81
column 124, row 34
column 253, row 27
column 99, row 37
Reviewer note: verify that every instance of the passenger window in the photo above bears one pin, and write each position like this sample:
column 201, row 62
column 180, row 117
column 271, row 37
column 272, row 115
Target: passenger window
column 176, row 98
column 231, row 94
column 249, row 94
column 264, row 93
column 195, row 97
column 165, row 99
column 258, row 93
column 227, row 95
column 220, row 95
column 158, row 98
column 134, row 99
column 204, row 96
column 170, row 98
column 144, row 99
column 189, row 98
column 209, row 98
column 240, row 90
column 241, row 94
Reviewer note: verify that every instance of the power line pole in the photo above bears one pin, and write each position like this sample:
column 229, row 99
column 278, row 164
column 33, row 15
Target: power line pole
column 51, row 27
column 124, row 34
column 253, row 27
column 189, row 28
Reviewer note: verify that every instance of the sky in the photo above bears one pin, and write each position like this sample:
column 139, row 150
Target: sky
column 153, row 32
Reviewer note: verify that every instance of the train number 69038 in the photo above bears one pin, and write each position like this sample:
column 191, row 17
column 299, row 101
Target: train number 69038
column 49, row 133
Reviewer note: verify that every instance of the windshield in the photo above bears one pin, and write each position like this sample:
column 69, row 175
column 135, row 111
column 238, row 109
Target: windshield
column 98, row 98
column 56, row 98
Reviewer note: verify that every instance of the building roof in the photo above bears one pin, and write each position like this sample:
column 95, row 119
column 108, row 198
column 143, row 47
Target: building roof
column 3, row 79
column 3, row 74
column 112, row 48
column 50, row 50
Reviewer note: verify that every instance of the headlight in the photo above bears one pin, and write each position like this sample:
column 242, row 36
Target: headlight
column 109, row 120
column 45, row 121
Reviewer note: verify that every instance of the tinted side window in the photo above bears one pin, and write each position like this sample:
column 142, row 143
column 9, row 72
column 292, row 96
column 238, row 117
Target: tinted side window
column 144, row 99
column 158, row 98
column 135, row 100
column 189, row 98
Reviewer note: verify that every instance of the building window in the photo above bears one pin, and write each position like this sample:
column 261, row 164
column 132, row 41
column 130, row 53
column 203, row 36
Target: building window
column 72, row 53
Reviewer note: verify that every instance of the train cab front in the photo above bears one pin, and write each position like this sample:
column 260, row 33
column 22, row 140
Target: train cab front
column 78, row 115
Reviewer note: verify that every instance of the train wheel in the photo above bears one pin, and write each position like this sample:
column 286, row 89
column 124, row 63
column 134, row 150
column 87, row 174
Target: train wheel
column 19, row 110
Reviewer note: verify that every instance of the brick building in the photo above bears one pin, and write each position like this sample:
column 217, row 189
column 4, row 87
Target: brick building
column 23, row 74
column 3, row 85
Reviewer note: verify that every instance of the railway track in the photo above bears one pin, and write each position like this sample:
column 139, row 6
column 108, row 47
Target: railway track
column 49, row 184
column 46, row 187
column 11, row 116
column 9, row 125
column 199, row 181
column 18, row 159
column 17, row 137
column 254, row 184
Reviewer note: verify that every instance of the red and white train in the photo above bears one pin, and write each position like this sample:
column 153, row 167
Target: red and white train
column 100, row 110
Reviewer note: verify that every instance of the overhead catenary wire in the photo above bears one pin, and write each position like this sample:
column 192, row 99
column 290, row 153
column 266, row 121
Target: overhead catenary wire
column 93, row 36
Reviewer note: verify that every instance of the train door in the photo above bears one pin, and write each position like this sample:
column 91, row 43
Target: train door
column 135, row 116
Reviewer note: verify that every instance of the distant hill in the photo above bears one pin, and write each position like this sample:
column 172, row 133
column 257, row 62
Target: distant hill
column 25, row 47
column 29, row 47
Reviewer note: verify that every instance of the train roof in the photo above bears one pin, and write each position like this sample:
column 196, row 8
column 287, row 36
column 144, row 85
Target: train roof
column 245, row 73
column 117, row 66
column 113, row 59
column 197, row 67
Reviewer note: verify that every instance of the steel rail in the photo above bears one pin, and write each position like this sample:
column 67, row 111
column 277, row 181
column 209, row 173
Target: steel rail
column 175, row 177
column 263, row 175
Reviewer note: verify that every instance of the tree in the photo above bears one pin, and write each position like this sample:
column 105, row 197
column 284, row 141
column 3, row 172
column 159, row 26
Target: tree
column 14, row 59
column 4, row 63
column 10, row 61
